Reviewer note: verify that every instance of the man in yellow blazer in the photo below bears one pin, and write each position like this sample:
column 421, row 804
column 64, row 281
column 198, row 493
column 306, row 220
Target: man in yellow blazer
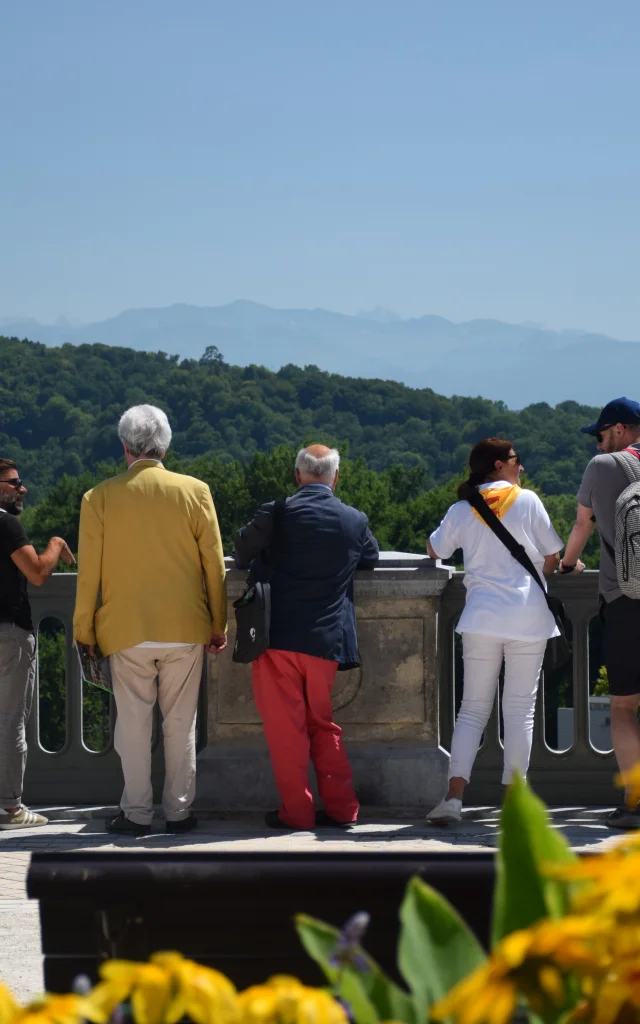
column 151, row 594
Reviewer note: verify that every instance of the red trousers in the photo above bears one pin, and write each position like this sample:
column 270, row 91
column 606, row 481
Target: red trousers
column 293, row 695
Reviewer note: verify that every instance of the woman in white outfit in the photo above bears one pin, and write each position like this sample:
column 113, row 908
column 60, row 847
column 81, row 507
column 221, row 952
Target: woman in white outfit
column 505, row 617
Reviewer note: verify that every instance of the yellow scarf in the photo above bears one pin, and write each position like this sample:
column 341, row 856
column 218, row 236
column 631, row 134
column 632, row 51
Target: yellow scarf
column 499, row 500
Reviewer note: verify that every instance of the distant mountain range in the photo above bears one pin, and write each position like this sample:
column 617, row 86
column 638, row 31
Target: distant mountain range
column 518, row 364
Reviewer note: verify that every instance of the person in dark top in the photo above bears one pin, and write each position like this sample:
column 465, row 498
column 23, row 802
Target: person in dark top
column 320, row 542
column 19, row 565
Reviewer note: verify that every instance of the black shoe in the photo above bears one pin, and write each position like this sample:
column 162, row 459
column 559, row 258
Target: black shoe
column 273, row 820
column 323, row 820
column 127, row 827
column 183, row 825
column 623, row 819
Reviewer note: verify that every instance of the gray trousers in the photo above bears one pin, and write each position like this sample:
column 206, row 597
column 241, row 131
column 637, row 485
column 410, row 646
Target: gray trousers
column 17, row 682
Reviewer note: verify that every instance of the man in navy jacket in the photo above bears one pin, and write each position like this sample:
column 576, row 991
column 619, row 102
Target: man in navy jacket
column 310, row 559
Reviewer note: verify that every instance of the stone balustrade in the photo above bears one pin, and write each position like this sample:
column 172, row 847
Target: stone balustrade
column 397, row 710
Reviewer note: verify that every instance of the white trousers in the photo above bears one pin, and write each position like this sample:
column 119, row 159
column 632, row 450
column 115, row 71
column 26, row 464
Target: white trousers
column 483, row 657
column 172, row 675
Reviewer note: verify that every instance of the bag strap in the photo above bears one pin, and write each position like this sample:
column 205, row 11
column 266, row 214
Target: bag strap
column 629, row 461
column 279, row 507
column 266, row 554
column 511, row 544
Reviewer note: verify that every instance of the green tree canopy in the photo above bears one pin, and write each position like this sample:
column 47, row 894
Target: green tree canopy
column 59, row 409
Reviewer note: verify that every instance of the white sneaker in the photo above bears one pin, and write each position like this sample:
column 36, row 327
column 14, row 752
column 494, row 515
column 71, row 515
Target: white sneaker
column 22, row 818
column 446, row 812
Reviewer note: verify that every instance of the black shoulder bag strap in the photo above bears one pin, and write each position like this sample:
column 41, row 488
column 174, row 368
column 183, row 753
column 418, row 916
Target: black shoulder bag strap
column 511, row 544
column 267, row 555
column 279, row 507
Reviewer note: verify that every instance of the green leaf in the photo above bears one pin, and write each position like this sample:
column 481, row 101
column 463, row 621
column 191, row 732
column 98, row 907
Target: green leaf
column 319, row 940
column 371, row 994
column 436, row 949
column 523, row 894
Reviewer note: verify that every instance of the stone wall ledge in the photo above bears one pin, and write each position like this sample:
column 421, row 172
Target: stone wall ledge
column 388, row 560
column 396, row 575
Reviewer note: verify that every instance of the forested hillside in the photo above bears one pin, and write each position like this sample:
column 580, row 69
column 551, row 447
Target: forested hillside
column 59, row 408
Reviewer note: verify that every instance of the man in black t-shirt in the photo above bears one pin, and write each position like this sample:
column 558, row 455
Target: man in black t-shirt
column 19, row 565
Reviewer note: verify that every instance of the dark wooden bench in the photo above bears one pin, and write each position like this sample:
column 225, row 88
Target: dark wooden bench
column 233, row 911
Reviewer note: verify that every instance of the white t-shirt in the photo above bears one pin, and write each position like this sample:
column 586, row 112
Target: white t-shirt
column 502, row 599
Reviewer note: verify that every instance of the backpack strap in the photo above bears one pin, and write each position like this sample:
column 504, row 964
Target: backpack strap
column 629, row 461
column 511, row 544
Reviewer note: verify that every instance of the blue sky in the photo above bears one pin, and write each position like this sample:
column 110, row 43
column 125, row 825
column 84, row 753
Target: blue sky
column 471, row 159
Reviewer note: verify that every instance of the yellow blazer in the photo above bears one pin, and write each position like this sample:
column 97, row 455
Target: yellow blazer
column 150, row 561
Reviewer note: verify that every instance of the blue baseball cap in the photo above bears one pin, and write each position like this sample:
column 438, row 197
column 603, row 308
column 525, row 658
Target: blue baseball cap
column 620, row 410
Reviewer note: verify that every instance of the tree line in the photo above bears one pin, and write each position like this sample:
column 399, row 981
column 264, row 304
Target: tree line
column 59, row 407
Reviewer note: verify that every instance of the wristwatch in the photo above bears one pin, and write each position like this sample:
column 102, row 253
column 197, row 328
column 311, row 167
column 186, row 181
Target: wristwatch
column 567, row 568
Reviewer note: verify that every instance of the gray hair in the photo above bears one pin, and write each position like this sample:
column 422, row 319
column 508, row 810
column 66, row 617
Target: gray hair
column 323, row 469
column 145, row 430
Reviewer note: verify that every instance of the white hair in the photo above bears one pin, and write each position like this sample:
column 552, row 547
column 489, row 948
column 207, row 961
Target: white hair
column 145, row 430
column 323, row 469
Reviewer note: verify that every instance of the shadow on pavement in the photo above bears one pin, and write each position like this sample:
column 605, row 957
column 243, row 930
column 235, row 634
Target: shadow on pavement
column 479, row 828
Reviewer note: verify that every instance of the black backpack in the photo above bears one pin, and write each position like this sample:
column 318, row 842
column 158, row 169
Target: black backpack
column 253, row 609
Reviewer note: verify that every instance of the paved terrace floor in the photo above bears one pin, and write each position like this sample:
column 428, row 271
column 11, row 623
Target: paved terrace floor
column 80, row 829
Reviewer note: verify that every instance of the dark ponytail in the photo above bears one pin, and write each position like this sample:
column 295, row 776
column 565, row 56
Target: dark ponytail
column 482, row 464
column 470, row 486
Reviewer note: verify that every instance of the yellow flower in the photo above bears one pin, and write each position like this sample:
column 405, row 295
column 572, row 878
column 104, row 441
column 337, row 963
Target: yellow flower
column 8, row 1006
column 620, row 986
column 148, row 988
column 614, row 879
column 607, row 1002
column 66, row 1009
column 530, row 962
column 631, row 782
column 563, row 942
column 277, row 1000
column 168, row 988
column 285, row 1000
column 487, row 994
column 202, row 994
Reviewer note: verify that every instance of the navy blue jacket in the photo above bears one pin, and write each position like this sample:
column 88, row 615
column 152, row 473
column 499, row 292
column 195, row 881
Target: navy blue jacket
column 310, row 566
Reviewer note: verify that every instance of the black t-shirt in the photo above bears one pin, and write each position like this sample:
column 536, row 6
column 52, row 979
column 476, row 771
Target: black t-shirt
column 14, row 600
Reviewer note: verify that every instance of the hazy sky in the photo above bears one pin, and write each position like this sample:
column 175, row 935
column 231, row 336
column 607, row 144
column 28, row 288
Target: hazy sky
column 473, row 158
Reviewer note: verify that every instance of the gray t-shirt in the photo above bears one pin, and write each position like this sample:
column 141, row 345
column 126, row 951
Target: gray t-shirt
column 603, row 482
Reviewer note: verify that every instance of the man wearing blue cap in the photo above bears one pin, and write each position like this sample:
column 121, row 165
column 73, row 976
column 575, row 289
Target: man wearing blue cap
column 617, row 432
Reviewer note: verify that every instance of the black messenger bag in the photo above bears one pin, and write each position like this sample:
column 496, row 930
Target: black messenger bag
column 558, row 650
column 253, row 609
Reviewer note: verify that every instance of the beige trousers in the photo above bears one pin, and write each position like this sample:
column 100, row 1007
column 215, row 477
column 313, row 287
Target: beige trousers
column 172, row 675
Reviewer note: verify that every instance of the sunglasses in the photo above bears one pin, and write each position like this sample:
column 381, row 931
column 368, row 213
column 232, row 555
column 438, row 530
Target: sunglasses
column 600, row 432
column 15, row 481
column 516, row 457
